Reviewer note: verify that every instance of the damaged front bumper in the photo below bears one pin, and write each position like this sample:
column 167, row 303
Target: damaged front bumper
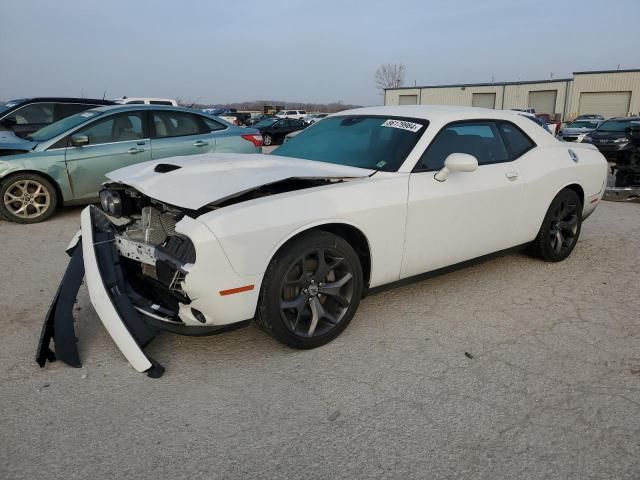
column 131, row 319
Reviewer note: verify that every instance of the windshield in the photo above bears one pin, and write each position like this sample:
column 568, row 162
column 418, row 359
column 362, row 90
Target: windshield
column 265, row 123
column 61, row 126
column 372, row 142
column 583, row 124
column 615, row 125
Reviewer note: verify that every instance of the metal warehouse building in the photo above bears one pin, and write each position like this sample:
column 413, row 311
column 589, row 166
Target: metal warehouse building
column 611, row 93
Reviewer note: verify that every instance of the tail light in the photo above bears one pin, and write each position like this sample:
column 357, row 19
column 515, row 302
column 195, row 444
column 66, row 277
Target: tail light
column 255, row 139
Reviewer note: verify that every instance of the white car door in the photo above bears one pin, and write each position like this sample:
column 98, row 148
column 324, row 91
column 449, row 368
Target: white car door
column 470, row 214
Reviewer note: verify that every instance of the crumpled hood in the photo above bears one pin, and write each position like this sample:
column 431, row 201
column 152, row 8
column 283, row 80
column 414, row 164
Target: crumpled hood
column 211, row 177
column 10, row 141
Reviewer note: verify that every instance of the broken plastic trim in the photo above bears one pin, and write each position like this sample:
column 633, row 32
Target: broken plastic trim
column 58, row 323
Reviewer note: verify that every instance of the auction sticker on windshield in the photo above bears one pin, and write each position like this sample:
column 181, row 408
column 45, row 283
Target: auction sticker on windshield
column 402, row 124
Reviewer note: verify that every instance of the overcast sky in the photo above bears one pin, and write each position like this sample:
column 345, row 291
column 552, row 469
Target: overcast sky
column 304, row 50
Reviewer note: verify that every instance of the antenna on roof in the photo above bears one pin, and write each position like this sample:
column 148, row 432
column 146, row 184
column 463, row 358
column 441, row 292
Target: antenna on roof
column 551, row 76
column 104, row 94
column 618, row 66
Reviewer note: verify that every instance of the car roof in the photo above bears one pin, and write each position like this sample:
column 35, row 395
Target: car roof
column 64, row 100
column 636, row 118
column 431, row 112
column 139, row 106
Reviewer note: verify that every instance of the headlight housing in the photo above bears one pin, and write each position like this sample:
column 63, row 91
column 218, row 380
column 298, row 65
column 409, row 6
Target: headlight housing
column 111, row 203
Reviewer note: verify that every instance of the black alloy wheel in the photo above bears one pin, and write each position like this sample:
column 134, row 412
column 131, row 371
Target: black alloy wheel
column 561, row 227
column 311, row 290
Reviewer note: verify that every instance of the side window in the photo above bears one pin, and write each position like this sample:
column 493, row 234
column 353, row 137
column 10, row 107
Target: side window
column 134, row 102
column 34, row 113
column 213, row 125
column 160, row 102
column 116, row 128
column 480, row 139
column 177, row 124
column 518, row 142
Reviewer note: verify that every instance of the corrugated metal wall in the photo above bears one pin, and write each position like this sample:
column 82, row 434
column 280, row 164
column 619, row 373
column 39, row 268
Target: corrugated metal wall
column 517, row 95
column 605, row 82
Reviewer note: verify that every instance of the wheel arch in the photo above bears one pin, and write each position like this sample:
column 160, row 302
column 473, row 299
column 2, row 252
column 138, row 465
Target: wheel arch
column 576, row 187
column 49, row 178
column 347, row 231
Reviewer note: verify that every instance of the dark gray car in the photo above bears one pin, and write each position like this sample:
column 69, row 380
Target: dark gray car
column 576, row 130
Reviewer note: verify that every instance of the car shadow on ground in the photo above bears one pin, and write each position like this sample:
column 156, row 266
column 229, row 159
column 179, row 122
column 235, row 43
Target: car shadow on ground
column 63, row 214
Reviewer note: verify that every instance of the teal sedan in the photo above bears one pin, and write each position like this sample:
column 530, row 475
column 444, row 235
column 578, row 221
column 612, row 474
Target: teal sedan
column 65, row 163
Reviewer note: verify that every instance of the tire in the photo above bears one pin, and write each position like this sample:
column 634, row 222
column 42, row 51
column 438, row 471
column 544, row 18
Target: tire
column 560, row 228
column 27, row 198
column 267, row 140
column 304, row 305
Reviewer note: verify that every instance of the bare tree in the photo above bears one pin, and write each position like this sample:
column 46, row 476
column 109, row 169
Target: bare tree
column 390, row 75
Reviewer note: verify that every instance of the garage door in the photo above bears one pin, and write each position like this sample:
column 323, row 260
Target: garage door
column 484, row 100
column 609, row 104
column 544, row 101
column 408, row 100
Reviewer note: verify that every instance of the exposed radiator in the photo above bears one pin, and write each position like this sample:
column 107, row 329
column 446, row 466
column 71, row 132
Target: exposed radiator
column 157, row 226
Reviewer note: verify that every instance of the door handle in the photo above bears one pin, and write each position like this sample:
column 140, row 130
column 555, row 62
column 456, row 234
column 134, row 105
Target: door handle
column 133, row 150
column 511, row 174
column 200, row 143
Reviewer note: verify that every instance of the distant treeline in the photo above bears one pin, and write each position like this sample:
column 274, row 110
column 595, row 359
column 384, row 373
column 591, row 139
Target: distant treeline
column 258, row 104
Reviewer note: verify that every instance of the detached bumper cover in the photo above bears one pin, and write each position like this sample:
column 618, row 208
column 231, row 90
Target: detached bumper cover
column 97, row 258
column 58, row 323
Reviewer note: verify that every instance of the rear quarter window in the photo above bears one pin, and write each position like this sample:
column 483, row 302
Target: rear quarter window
column 517, row 141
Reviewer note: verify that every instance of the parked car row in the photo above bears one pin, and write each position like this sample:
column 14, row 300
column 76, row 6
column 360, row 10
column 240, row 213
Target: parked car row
column 66, row 161
column 610, row 136
column 274, row 130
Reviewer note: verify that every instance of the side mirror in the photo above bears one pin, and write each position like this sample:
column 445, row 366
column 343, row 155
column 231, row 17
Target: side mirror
column 79, row 140
column 457, row 162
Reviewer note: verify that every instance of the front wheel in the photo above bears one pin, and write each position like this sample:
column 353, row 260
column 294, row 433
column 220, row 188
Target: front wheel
column 27, row 198
column 267, row 140
column 311, row 290
column 560, row 228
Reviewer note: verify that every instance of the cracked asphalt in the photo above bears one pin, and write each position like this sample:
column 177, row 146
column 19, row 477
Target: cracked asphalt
column 551, row 391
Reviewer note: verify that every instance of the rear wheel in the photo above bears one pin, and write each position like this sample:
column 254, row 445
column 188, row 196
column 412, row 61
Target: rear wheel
column 27, row 198
column 310, row 291
column 267, row 139
column 560, row 229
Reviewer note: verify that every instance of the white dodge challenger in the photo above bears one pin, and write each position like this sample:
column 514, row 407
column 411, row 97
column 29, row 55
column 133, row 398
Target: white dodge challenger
column 202, row 244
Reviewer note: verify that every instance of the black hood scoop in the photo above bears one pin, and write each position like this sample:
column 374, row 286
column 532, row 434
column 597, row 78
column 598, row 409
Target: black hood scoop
column 166, row 167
